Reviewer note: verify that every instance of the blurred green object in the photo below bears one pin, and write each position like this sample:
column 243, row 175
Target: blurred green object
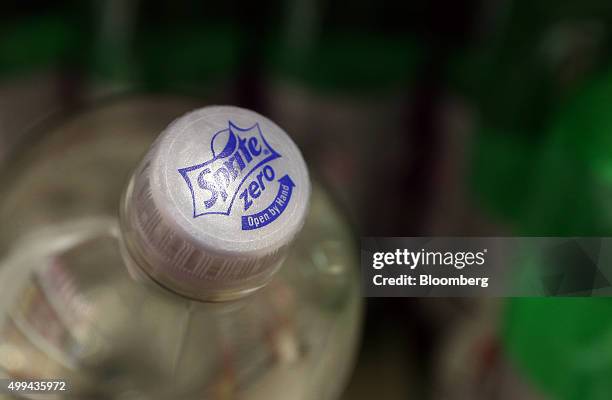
column 181, row 47
column 34, row 44
column 509, row 88
column 190, row 58
column 348, row 62
column 515, row 79
column 542, row 163
column 107, row 61
column 575, row 176
column 565, row 344
column 501, row 173
column 539, row 53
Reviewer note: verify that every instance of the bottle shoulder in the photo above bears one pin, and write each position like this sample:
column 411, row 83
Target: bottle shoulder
column 90, row 315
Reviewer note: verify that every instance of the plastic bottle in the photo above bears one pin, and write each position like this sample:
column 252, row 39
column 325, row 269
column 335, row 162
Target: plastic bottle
column 182, row 296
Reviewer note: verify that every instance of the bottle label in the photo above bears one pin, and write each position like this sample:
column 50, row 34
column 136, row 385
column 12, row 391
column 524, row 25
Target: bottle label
column 239, row 177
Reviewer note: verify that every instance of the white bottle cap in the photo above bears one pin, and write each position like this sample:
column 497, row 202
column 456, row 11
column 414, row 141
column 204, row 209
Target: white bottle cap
column 213, row 206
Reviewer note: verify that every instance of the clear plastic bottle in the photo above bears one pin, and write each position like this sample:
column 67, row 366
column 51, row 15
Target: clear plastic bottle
column 162, row 302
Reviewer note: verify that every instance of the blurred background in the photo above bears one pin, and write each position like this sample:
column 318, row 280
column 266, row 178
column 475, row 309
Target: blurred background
column 423, row 118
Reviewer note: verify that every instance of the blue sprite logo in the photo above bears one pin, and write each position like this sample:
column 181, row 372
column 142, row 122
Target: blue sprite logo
column 236, row 176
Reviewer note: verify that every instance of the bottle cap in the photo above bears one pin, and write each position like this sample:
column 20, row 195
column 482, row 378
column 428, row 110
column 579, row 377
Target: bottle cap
column 211, row 209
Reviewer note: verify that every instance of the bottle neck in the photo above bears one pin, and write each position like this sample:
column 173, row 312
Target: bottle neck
column 139, row 257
